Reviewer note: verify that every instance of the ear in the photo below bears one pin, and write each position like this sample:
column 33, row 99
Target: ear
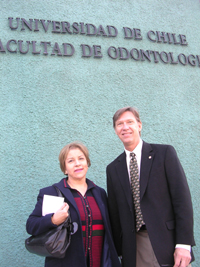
column 140, row 126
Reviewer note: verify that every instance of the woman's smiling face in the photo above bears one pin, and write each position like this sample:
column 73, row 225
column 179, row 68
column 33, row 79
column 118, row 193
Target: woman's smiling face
column 76, row 165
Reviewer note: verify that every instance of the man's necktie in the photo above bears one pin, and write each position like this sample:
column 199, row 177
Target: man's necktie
column 135, row 187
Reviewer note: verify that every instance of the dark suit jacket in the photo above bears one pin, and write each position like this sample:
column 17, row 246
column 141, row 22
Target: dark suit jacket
column 75, row 256
column 165, row 204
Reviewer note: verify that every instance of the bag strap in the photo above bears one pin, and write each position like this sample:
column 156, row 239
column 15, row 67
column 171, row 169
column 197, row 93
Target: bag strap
column 72, row 227
column 58, row 191
column 61, row 195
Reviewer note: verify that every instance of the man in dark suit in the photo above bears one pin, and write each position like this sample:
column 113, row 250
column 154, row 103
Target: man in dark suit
column 165, row 235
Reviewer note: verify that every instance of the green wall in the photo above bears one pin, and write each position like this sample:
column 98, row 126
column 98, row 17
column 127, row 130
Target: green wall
column 50, row 100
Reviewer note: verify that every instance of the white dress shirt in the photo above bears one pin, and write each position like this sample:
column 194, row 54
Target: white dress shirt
column 138, row 153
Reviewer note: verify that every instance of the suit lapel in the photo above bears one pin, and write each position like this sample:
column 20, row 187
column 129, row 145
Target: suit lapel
column 99, row 199
column 146, row 163
column 122, row 171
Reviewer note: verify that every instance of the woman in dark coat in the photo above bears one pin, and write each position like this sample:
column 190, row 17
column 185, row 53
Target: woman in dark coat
column 92, row 245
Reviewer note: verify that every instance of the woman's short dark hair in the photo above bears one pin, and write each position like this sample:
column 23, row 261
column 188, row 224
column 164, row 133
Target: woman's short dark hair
column 65, row 150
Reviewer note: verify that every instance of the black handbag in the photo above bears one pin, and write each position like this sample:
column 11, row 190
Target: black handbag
column 53, row 243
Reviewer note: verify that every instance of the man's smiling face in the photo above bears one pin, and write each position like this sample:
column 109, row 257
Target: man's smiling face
column 128, row 130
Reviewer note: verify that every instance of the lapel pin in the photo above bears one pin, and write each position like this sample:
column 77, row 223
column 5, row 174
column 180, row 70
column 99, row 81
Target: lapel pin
column 149, row 157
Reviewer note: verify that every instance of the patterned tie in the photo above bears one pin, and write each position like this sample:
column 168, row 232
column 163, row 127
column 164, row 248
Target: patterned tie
column 135, row 187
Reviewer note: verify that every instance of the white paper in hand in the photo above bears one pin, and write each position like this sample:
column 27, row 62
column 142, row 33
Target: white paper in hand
column 51, row 204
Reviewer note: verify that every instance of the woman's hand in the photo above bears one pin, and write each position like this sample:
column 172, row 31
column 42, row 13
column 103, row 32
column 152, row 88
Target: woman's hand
column 61, row 215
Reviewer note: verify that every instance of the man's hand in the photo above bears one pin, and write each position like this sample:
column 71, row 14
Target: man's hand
column 182, row 257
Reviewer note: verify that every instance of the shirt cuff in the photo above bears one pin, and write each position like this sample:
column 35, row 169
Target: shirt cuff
column 188, row 247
